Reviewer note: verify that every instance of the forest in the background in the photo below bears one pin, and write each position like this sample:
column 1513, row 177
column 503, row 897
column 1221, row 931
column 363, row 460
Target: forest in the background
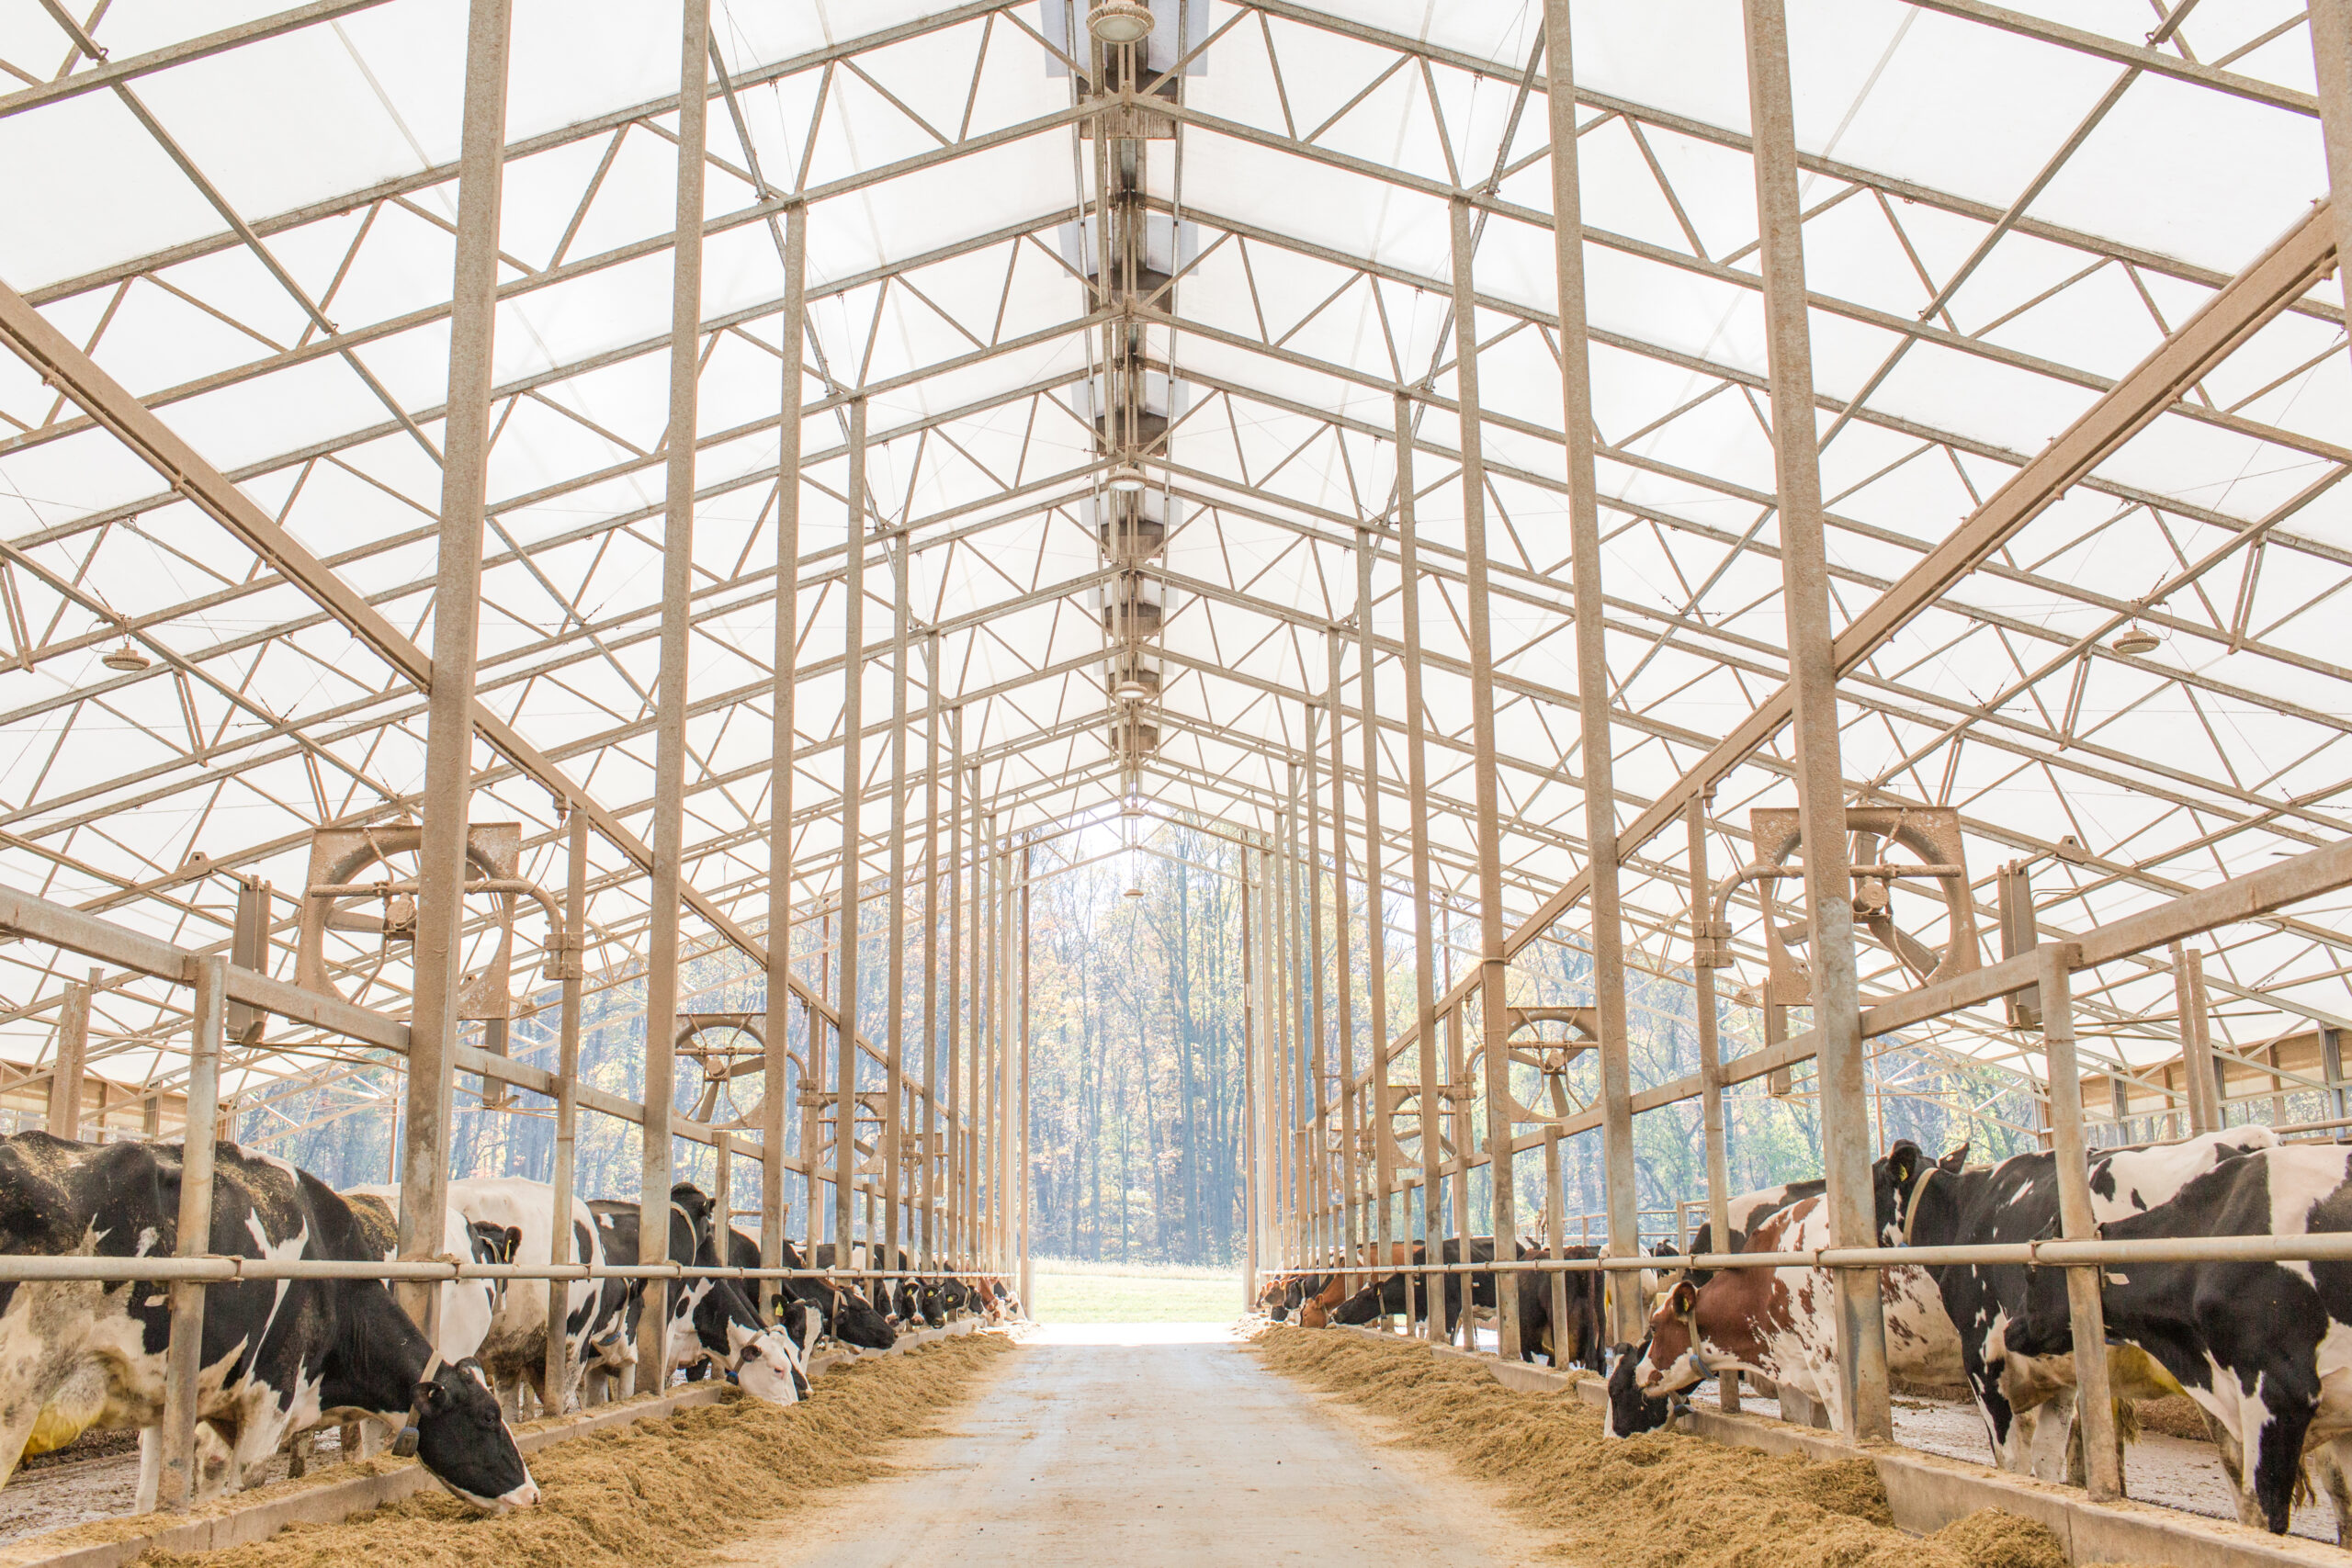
column 1137, row 1107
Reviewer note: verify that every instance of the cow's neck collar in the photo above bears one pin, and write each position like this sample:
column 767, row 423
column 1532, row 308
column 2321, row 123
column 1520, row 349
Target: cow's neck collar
column 1918, row 1192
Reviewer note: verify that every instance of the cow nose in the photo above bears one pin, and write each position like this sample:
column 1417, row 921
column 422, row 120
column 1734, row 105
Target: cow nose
column 523, row 1496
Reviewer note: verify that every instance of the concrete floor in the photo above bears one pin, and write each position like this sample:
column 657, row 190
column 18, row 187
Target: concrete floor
column 1144, row 1445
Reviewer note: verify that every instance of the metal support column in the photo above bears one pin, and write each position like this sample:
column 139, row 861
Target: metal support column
column 2102, row 1458
column 1316, row 1135
column 974, row 1018
column 558, row 1369
column 1710, row 1068
column 1252, row 1185
column 1021, row 1158
column 1416, row 822
column 1343, row 958
column 2331, row 26
column 783, row 744
column 2206, row 1113
column 1494, row 974
column 928, row 1196
column 71, row 1062
column 183, row 1353
column 852, row 787
column 457, row 616
column 953, row 1209
column 1376, row 923
column 1597, row 752
column 670, row 732
column 895, row 986
column 1812, row 681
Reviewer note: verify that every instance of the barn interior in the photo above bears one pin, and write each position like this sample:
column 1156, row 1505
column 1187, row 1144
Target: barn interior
column 592, row 591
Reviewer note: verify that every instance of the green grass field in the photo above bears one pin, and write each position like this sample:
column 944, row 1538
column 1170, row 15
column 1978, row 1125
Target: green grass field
column 1110, row 1292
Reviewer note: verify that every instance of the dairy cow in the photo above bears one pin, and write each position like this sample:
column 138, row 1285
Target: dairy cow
column 1782, row 1323
column 1579, row 1337
column 514, row 1352
column 851, row 1315
column 2016, row 1382
column 705, row 1317
column 278, row 1355
column 2259, row 1347
column 467, row 1307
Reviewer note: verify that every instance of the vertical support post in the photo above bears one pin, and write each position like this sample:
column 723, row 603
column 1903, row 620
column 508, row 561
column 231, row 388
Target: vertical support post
column 1417, row 823
column 2101, row 1456
column 1286, row 960
column 894, row 1067
column 566, row 1109
column 457, row 616
column 1598, row 750
column 782, row 745
column 953, row 1210
column 2206, row 1111
column 1812, row 681
column 184, row 1355
column 670, row 733
column 2331, row 25
column 1252, row 1185
column 853, row 789
column 1344, row 956
column 1318, row 1109
column 1494, row 961
column 1710, row 1064
column 1022, row 1159
column 933, row 1099
column 974, row 1020
column 1376, row 923
column 71, row 1061
column 1554, row 1247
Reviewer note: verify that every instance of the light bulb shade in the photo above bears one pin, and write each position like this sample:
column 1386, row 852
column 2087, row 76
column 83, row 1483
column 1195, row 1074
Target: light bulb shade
column 1116, row 22
column 126, row 658
column 2135, row 639
column 1128, row 479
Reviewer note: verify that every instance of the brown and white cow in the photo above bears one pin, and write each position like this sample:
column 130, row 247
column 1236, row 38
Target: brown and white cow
column 1782, row 1324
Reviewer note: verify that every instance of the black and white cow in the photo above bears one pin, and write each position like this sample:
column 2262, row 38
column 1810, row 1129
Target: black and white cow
column 2264, row 1348
column 467, row 1307
column 706, row 1317
column 515, row 1351
column 851, row 1315
column 278, row 1355
column 2016, row 1378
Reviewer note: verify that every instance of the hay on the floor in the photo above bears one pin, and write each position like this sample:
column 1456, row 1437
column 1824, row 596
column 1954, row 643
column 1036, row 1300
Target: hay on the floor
column 657, row 1491
column 1661, row 1500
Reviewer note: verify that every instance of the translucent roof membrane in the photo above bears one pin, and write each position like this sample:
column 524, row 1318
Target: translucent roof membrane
column 247, row 220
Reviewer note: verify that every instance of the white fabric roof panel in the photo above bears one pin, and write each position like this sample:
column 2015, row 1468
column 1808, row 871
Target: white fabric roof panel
column 1313, row 281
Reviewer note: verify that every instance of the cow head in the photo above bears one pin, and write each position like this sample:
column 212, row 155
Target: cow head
column 1896, row 1182
column 1631, row 1412
column 1360, row 1308
column 463, row 1441
column 767, row 1364
column 1669, row 1361
column 930, row 1300
column 1274, row 1299
column 856, row 1322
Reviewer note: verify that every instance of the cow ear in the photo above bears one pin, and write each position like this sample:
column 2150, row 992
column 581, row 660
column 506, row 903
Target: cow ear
column 1685, row 1297
column 1954, row 1162
column 1903, row 1163
column 432, row 1397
